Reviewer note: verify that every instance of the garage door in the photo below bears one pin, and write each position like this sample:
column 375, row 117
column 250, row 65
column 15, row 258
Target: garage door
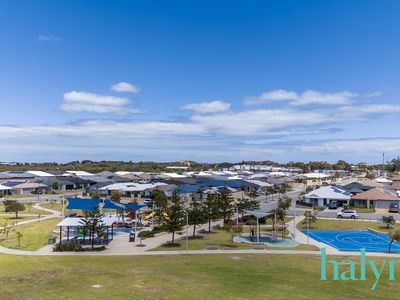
column 383, row 204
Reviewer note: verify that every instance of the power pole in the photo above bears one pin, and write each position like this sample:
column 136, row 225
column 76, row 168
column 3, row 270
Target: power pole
column 383, row 164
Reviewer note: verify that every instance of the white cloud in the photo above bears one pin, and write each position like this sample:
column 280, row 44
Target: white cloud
column 260, row 122
column 272, row 96
column 208, row 107
column 305, row 98
column 373, row 94
column 361, row 111
column 125, row 87
column 48, row 38
column 79, row 101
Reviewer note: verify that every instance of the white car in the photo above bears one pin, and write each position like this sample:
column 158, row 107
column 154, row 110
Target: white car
column 349, row 214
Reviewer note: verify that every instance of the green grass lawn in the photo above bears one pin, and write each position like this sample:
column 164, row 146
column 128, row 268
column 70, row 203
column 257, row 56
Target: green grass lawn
column 12, row 218
column 222, row 238
column 322, row 224
column 54, row 206
column 28, row 210
column 365, row 210
column 229, row 276
column 20, row 196
column 35, row 235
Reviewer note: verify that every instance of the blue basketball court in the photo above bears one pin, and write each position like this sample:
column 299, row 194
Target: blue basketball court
column 354, row 240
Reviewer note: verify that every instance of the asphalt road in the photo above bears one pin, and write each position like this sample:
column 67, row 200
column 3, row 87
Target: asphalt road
column 270, row 203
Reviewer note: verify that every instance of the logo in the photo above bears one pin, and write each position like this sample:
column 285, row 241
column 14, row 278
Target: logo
column 352, row 273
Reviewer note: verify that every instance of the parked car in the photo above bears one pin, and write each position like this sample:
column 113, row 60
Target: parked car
column 147, row 201
column 349, row 214
column 394, row 207
column 333, row 205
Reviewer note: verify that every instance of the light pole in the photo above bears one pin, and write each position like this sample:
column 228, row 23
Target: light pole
column 187, row 231
column 62, row 206
column 308, row 228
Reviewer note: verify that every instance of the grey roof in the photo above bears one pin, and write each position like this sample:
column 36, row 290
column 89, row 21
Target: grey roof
column 49, row 181
column 329, row 192
column 106, row 174
column 92, row 179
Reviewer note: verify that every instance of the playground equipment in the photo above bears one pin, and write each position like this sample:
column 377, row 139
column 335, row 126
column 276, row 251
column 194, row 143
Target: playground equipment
column 165, row 216
column 149, row 216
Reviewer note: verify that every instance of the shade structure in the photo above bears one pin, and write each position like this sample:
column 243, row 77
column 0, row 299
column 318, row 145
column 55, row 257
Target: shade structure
column 114, row 205
column 258, row 213
column 91, row 205
column 134, row 207
column 78, row 221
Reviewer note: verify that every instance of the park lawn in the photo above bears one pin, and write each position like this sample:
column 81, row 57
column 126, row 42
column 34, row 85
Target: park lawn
column 218, row 276
column 323, row 224
column 12, row 218
column 28, row 210
column 20, row 196
column 34, row 237
column 54, row 206
column 365, row 210
column 223, row 239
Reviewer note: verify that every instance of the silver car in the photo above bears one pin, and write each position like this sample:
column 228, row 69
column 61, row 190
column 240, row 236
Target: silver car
column 348, row 214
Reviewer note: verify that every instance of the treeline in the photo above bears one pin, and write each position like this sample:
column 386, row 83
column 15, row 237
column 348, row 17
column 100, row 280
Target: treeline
column 149, row 166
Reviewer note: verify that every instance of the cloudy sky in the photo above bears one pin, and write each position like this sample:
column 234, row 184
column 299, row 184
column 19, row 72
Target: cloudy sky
column 199, row 80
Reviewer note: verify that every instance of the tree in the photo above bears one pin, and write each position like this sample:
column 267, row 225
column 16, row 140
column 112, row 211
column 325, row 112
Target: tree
column 280, row 212
column 55, row 186
column 211, row 209
column 7, row 228
column 96, row 195
column 225, row 204
column 389, row 221
column 115, row 196
column 93, row 225
column 175, row 216
column 19, row 236
column 160, row 201
column 29, row 205
column 13, row 206
column 394, row 237
column 309, row 217
column 197, row 215
column 253, row 195
column 247, row 204
column 233, row 229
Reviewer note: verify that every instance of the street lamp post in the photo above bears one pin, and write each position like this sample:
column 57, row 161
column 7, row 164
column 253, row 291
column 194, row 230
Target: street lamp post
column 308, row 229
column 187, row 231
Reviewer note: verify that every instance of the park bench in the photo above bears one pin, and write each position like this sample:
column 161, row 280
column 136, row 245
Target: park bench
column 258, row 246
column 212, row 247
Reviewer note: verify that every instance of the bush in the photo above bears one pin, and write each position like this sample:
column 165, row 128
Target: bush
column 318, row 208
column 146, row 234
column 157, row 229
column 67, row 247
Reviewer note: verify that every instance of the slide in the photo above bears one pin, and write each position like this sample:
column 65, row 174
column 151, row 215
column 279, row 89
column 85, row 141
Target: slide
column 165, row 216
column 152, row 214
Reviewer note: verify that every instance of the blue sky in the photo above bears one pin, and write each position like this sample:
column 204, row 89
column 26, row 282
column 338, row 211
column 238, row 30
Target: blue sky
column 199, row 80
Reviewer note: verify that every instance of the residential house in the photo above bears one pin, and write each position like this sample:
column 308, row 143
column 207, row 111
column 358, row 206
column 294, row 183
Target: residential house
column 376, row 197
column 324, row 195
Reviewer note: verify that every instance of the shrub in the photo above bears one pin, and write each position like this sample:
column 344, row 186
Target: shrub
column 64, row 247
column 146, row 234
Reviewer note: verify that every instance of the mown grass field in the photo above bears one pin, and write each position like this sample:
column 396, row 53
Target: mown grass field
column 28, row 210
column 34, row 237
column 182, row 277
